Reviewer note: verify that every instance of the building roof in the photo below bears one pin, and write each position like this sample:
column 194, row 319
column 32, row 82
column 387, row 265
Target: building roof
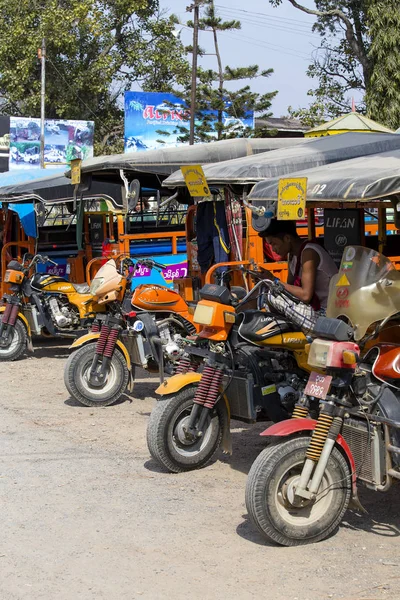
column 352, row 121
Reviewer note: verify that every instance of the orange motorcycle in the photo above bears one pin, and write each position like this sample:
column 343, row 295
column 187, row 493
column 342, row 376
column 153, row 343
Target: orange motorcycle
column 145, row 334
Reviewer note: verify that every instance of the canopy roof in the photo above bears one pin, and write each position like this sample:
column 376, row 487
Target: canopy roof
column 310, row 153
column 166, row 161
column 352, row 121
column 57, row 188
column 360, row 179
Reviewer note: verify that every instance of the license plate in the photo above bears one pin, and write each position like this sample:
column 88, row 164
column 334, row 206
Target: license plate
column 318, row 385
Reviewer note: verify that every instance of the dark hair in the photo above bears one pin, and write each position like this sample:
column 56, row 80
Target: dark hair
column 279, row 229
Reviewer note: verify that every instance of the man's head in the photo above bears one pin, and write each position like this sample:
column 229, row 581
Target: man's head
column 281, row 235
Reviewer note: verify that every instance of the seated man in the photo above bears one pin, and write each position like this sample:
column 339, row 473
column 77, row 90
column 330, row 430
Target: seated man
column 310, row 271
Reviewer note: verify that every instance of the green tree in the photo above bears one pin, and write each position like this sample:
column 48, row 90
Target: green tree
column 383, row 93
column 96, row 49
column 212, row 94
column 342, row 64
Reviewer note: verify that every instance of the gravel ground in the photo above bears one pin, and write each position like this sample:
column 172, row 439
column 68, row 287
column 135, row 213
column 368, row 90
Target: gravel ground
column 86, row 514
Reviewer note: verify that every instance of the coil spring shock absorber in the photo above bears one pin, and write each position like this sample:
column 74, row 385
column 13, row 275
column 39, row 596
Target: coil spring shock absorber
column 4, row 320
column 206, row 396
column 111, row 341
column 13, row 314
column 98, row 353
column 301, row 408
column 101, row 342
column 319, row 436
column 95, row 327
column 186, row 365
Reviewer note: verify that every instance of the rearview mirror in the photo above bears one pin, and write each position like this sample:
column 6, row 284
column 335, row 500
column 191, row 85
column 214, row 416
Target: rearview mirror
column 133, row 194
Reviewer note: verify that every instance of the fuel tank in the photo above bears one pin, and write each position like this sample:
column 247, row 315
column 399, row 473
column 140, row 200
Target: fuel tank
column 156, row 297
column 387, row 365
column 51, row 283
column 264, row 329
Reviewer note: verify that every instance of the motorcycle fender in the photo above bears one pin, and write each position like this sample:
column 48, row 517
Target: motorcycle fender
column 23, row 319
column 293, row 426
column 178, row 382
column 90, row 337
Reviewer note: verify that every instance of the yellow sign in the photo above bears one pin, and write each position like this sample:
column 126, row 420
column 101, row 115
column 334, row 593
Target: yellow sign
column 291, row 199
column 76, row 171
column 196, row 181
column 343, row 281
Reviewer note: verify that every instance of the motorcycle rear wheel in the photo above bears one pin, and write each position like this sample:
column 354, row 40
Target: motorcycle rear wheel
column 269, row 492
column 76, row 378
column 17, row 345
column 165, row 436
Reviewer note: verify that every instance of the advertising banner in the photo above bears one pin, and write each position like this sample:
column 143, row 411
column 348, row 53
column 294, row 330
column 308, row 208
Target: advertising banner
column 341, row 229
column 152, row 120
column 4, row 143
column 64, row 141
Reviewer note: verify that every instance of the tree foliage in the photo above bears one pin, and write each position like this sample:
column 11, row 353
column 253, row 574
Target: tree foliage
column 342, row 63
column 213, row 95
column 96, row 49
column 383, row 93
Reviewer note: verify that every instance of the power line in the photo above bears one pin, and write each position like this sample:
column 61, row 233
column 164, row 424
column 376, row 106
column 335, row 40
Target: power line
column 275, row 27
column 263, row 15
column 269, row 46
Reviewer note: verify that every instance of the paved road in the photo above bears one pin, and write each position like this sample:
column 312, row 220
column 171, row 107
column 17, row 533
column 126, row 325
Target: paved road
column 87, row 515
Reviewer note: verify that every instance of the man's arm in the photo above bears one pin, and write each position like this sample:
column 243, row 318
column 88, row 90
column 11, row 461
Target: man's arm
column 310, row 261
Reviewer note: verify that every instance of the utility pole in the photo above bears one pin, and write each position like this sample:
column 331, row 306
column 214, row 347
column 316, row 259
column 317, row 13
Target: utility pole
column 194, row 6
column 42, row 56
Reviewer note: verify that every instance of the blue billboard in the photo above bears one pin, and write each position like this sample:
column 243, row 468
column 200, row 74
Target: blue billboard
column 152, row 120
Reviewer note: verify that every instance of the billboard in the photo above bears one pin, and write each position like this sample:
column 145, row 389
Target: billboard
column 63, row 141
column 152, row 120
column 4, row 143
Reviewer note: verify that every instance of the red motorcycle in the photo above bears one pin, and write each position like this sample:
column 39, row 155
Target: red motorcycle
column 300, row 487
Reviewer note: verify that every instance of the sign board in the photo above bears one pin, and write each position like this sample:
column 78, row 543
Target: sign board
column 196, row 181
column 64, row 140
column 76, row 171
column 291, row 199
column 158, row 119
column 341, row 229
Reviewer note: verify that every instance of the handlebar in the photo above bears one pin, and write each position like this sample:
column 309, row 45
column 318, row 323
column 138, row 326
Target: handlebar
column 38, row 258
column 275, row 286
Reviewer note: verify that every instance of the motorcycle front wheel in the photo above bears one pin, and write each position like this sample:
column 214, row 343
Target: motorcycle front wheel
column 271, row 502
column 76, row 378
column 17, row 342
column 166, row 438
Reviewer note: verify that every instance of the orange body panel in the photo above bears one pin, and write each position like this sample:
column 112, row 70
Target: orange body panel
column 156, row 297
column 387, row 365
column 218, row 330
column 12, row 276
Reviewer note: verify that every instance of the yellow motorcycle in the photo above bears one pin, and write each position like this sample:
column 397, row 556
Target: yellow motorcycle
column 41, row 304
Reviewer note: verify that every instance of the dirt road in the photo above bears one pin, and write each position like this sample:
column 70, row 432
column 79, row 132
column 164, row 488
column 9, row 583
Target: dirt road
column 87, row 515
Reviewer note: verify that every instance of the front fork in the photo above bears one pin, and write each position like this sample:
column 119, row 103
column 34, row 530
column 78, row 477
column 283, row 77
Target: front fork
column 105, row 345
column 207, row 395
column 8, row 321
column 321, row 444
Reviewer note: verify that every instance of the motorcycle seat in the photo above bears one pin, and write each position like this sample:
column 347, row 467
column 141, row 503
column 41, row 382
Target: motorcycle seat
column 81, row 288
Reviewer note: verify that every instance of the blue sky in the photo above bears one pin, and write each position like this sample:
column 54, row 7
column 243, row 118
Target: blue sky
column 278, row 38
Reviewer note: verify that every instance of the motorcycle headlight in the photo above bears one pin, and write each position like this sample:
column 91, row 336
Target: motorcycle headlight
column 96, row 283
column 203, row 315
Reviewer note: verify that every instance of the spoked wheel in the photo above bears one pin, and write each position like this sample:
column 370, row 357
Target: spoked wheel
column 270, row 495
column 17, row 340
column 166, row 437
column 76, row 378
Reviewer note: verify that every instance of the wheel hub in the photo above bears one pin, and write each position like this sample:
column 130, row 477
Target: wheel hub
column 289, row 493
column 183, row 433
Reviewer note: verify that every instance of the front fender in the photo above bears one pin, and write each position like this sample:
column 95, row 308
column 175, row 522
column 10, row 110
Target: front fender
column 293, row 426
column 91, row 337
column 22, row 317
column 177, row 382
